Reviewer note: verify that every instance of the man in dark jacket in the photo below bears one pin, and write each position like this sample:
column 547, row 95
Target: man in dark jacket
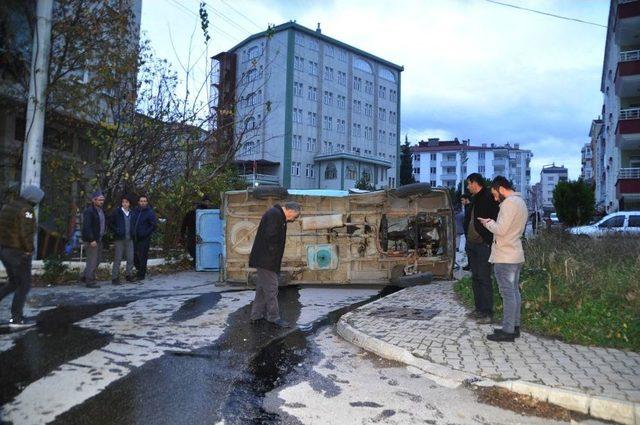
column 120, row 226
column 144, row 224
column 266, row 257
column 17, row 228
column 478, row 246
column 94, row 225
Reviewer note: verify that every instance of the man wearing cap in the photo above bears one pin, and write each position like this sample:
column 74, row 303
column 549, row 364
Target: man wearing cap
column 93, row 229
column 17, row 229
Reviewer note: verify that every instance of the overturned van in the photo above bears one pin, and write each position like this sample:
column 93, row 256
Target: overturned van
column 401, row 236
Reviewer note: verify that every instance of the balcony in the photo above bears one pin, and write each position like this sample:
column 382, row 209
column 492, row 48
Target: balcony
column 628, row 129
column 628, row 182
column 261, row 179
column 449, row 163
column 627, row 24
column 627, row 79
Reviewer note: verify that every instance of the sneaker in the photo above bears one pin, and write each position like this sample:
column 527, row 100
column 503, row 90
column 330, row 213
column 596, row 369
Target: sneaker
column 115, row 282
column 516, row 331
column 484, row 319
column 281, row 323
column 21, row 322
column 475, row 314
column 92, row 285
column 501, row 337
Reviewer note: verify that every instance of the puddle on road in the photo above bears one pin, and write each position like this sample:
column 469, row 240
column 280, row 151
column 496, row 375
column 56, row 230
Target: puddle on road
column 225, row 381
column 53, row 342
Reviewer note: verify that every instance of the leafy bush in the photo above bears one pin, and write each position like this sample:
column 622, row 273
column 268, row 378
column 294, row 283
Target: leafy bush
column 574, row 202
column 54, row 269
column 580, row 290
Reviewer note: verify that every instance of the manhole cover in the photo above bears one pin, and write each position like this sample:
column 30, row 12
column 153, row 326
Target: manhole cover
column 404, row 313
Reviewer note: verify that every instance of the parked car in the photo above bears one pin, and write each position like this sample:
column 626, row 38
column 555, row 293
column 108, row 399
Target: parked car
column 620, row 222
column 554, row 218
column 401, row 236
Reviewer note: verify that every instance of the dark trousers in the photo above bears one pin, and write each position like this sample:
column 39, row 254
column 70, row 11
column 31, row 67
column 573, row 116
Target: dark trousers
column 94, row 257
column 191, row 248
column 18, row 267
column 265, row 303
column 141, row 255
column 478, row 255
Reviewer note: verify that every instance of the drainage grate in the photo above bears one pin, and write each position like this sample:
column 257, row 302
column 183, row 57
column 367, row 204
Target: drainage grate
column 404, row 313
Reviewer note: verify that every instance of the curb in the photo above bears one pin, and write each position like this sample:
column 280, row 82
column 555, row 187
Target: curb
column 624, row 412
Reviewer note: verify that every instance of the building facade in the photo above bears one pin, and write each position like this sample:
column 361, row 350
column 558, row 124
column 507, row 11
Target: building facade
column 586, row 170
column 309, row 112
column 618, row 170
column 448, row 163
column 550, row 176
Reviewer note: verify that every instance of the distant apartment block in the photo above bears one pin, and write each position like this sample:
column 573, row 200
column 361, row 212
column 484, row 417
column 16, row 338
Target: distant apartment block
column 550, row 176
column 447, row 163
column 308, row 111
column 617, row 158
column 586, row 170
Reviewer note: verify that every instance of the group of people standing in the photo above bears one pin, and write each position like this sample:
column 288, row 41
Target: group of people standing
column 131, row 228
column 494, row 223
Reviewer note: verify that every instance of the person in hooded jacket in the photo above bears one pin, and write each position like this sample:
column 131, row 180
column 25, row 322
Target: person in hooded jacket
column 17, row 230
column 144, row 223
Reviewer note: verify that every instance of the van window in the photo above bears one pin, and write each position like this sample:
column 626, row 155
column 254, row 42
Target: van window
column 634, row 221
column 613, row 222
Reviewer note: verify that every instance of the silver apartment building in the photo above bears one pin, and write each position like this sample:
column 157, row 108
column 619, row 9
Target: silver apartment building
column 306, row 111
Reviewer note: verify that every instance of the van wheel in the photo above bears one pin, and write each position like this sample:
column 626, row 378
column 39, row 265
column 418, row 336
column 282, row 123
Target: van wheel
column 413, row 280
column 413, row 189
column 265, row 192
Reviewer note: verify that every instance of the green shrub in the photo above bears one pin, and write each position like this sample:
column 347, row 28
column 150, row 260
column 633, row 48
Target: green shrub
column 581, row 290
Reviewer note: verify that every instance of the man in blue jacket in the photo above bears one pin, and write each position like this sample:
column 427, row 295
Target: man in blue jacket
column 144, row 224
column 120, row 226
column 94, row 225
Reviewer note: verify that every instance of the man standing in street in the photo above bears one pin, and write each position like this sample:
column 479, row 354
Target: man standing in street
column 93, row 229
column 478, row 246
column 266, row 257
column 144, row 224
column 17, row 228
column 507, row 254
column 120, row 226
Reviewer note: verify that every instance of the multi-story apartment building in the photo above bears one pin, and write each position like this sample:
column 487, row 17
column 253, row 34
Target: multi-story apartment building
column 448, row 163
column 550, row 176
column 618, row 180
column 586, row 170
column 308, row 111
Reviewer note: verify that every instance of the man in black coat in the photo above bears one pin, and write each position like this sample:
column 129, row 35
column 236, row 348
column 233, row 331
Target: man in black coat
column 266, row 257
column 119, row 223
column 144, row 223
column 94, row 225
column 478, row 247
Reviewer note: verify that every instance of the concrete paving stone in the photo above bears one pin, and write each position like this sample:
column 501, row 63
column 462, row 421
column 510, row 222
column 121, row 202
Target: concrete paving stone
column 614, row 410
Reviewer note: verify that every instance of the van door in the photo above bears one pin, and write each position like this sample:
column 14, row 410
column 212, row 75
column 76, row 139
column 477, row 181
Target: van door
column 209, row 240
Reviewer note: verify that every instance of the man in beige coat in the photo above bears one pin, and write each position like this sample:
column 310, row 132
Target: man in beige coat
column 507, row 255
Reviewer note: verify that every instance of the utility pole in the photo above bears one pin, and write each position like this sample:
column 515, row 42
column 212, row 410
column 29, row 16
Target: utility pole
column 32, row 149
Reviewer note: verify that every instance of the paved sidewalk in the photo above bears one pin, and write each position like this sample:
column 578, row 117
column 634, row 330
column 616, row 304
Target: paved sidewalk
column 426, row 327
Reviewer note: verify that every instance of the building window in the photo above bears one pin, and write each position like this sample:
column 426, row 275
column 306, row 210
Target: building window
column 297, row 115
column 416, row 170
column 330, row 173
column 308, row 171
column 329, row 51
column 351, row 172
column 433, row 157
column 299, row 39
column 382, row 92
column 251, row 75
column 433, row 170
column 368, row 87
column 433, row 183
column 393, row 95
column 480, row 155
column 382, row 114
column 392, row 116
column 357, row 83
column 481, row 169
column 248, row 148
column 327, row 123
column 328, row 73
column 313, row 68
column 311, row 144
column 416, row 157
column 356, row 130
column 312, row 93
column 297, row 89
column 314, row 45
column 342, row 78
column 298, row 63
column 341, row 101
column 357, row 106
column 295, row 168
column 312, row 119
column 253, row 52
column 392, row 138
column 368, row 133
column 297, row 142
column 328, row 98
column 340, row 126
column 342, row 55
column 368, row 110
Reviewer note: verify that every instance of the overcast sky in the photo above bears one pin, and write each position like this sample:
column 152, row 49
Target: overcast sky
column 473, row 69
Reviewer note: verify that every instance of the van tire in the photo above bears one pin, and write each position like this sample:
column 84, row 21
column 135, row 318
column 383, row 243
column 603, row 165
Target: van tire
column 413, row 189
column 413, row 280
column 265, row 192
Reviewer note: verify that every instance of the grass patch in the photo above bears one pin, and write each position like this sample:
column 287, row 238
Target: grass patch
column 579, row 290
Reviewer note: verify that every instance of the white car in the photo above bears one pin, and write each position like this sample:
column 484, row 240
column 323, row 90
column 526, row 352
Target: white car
column 620, row 222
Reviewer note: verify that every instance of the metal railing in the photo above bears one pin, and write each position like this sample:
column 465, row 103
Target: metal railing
column 630, row 114
column 629, row 173
column 261, row 177
column 630, row 55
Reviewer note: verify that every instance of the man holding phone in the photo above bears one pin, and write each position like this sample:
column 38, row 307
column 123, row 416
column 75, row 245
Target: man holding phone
column 507, row 255
column 478, row 247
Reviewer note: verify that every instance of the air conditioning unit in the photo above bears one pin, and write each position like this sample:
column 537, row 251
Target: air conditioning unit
column 322, row 257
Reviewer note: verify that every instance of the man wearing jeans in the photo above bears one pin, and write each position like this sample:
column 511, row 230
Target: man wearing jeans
column 266, row 257
column 507, row 254
column 93, row 230
column 478, row 247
